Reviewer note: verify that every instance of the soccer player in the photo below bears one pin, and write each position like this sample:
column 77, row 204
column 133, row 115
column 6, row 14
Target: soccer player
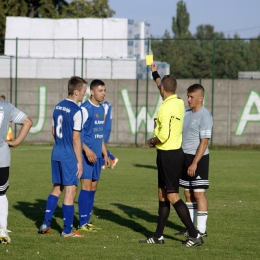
column 197, row 129
column 93, row 146
column 8, row 113
column 107, row 131
column 66, row 159
column 167, row 140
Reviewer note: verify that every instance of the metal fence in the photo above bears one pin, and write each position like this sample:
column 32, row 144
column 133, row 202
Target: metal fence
column 205, row 60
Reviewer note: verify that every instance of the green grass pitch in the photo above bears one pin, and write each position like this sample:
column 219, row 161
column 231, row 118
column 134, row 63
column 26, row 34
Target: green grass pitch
column 126, row 208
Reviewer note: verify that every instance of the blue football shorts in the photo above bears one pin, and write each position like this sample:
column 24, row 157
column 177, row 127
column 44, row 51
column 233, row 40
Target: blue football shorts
column 91, row 171
column 64, row 173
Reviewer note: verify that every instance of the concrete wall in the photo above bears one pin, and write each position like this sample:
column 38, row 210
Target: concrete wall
column 236, row 107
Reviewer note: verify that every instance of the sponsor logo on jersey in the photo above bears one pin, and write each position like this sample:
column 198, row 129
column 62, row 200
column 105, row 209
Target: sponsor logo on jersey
column 66, row 109
column 99, row 122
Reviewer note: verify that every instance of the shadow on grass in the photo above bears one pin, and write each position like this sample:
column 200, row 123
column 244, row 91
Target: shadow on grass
column 134, row 213
column 145, row 166
column 35, row 211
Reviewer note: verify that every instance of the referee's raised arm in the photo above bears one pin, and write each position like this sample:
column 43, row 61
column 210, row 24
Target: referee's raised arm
column 155, row 74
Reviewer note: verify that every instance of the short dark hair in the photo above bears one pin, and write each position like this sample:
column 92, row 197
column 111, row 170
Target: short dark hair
column 96, row 82
column 169, row 83
column 75, row 83
column 2, row 97
column 195, row 87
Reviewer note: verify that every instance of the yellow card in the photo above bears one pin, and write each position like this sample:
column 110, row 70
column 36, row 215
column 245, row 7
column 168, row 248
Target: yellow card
column 149, row 59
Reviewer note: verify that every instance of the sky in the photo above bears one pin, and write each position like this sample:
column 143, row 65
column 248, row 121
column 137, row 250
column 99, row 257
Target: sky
column 227, row 16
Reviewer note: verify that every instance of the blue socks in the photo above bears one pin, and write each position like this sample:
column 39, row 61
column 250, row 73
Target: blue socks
column 85, row 202
column 68, row 215
column 51, row 205
column 110, row 155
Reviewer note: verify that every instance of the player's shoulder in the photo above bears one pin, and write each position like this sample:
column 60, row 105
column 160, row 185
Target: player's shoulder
column 86, row 104
column 188, row 111
column 206, row 112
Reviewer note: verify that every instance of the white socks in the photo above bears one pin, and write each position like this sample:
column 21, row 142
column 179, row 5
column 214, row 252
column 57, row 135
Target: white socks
column 3, row 212
column 202, row 217
column 192, row 207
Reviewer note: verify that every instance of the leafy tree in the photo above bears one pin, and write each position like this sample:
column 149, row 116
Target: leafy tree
column 180, row 24
column 83, row 9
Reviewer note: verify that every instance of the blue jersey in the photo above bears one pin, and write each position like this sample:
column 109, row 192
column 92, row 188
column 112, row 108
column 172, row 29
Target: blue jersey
column 67, row 117
column 93, row 128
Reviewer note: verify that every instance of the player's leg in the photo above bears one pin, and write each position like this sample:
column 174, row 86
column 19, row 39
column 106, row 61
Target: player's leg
column 83, row 201
column 70, row 182
column 185, row 182
column 163, row 206
column 4, row 185
column 68, row 208
column 163, row 213
column 172, row 175
column 191, row 204
column 202, row 177
column 202, row 214
column 52, row 200
column 84, row 198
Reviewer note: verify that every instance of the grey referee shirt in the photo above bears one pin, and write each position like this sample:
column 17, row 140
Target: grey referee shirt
column 8, row 113
column 196, row 126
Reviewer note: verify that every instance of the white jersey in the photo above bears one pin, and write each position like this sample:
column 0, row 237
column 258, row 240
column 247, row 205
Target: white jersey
column 196, row 126
column 8, row 113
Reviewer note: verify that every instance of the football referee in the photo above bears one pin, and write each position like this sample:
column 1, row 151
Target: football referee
column 167, row 140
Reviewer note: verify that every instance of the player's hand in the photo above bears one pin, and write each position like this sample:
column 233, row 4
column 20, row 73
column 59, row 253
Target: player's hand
column 90, row 155
column 107, row 161
column 154, row 67
column 149, row 143
column 192, row 169
column 80, row 170
column 11, row 143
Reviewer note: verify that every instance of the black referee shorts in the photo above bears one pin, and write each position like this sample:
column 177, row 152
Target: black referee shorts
column 169, row 165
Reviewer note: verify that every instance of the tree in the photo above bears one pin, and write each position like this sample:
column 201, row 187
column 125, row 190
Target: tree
column 95, row 9
column 180, row 24
column 51, row 9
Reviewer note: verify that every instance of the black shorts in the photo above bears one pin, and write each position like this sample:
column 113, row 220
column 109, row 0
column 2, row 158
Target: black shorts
column 201, row 178
column 4, row 184
column 169, row 165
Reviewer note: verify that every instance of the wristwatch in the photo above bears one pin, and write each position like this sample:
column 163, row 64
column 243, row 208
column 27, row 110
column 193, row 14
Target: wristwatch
column 152, row 141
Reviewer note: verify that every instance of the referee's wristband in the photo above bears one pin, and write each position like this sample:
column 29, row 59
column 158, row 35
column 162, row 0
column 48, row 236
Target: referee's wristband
column 155, row 75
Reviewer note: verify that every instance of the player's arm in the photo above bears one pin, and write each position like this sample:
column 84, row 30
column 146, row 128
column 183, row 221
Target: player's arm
column 155, row 74
column 200, row 152
column 53, row 132
column 26, row 125
column 77, row 146
column 76, row 141
column 104, row 152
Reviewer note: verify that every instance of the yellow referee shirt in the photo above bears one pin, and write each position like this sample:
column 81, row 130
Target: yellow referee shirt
column 168, row 123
